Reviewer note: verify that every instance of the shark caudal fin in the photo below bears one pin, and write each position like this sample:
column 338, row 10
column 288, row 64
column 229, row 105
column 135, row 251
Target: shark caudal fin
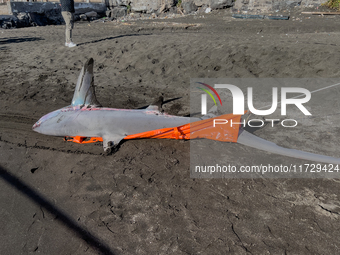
column 256, row 142
column 84, row 93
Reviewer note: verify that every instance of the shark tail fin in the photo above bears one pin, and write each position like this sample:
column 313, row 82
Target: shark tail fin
column 253, row 141
column 84, row 93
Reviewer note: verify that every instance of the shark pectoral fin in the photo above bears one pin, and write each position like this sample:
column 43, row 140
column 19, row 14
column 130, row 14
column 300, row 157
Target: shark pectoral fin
column 110, row 143
column 253, row 141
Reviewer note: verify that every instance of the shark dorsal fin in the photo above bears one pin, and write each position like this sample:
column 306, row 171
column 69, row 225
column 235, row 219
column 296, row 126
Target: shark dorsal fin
column 84, row 93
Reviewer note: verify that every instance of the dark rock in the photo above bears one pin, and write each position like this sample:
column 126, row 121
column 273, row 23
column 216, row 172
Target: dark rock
column 23, row 19
column 189, row 7
column 47, row 7
column 37, row 19
column 54, row 17
column 17, row 7
column 82, row 8
column 42, row 14
column 91, row 14
column 50, row 17
column 83, row 17
column 8, row 21
column 220, row 4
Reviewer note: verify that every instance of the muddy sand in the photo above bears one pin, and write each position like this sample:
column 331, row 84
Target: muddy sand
column 58, row 197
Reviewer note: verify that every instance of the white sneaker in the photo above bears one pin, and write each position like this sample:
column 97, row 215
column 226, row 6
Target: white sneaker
column 70, row 44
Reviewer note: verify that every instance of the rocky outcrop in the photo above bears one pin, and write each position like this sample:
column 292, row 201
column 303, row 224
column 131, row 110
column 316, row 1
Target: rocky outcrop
column 189, row 7
column 146, row 6
column 8, row 21
column 36, row 7
column 116, row 12
column 173, row 6
column 274, row 5
column 48, row 13
column 23, row 19
column 26, row 14
column 220, row 4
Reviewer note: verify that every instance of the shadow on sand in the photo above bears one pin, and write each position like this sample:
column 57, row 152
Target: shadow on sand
column 110, row 38
column 61, row 216
column 19, row 40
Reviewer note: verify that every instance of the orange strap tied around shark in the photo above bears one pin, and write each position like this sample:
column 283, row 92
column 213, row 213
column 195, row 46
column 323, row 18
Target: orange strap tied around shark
column 223, row 128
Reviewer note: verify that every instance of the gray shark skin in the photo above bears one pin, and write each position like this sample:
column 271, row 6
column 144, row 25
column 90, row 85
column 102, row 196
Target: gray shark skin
column 86, row 118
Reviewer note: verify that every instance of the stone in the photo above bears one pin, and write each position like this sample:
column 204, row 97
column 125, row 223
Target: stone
column 203, row 9
column 173, row 10
column 8, row 21
column 37, row 19
column 81, row 8
column 189, row 7
column 150, row 6
column 91, row 14
column 23, row 19
column 220, row 4
column 117, row 12
column 83, row 17
column 116, row 3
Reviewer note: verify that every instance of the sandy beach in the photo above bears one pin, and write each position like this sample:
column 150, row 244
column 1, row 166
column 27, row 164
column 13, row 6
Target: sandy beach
column 59, row 197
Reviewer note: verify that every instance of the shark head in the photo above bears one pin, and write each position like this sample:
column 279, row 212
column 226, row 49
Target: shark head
column 47, row 124
column 84, row 96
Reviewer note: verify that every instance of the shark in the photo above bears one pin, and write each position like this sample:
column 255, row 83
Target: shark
column 85, row 120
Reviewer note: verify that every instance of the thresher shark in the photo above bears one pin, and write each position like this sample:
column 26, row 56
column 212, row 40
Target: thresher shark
column 86, row 121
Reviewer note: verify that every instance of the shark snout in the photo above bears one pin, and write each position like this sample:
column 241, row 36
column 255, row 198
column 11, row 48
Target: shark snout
column 36, row 126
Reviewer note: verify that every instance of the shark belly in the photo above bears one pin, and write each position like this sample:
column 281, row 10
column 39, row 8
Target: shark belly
column 112, row 122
